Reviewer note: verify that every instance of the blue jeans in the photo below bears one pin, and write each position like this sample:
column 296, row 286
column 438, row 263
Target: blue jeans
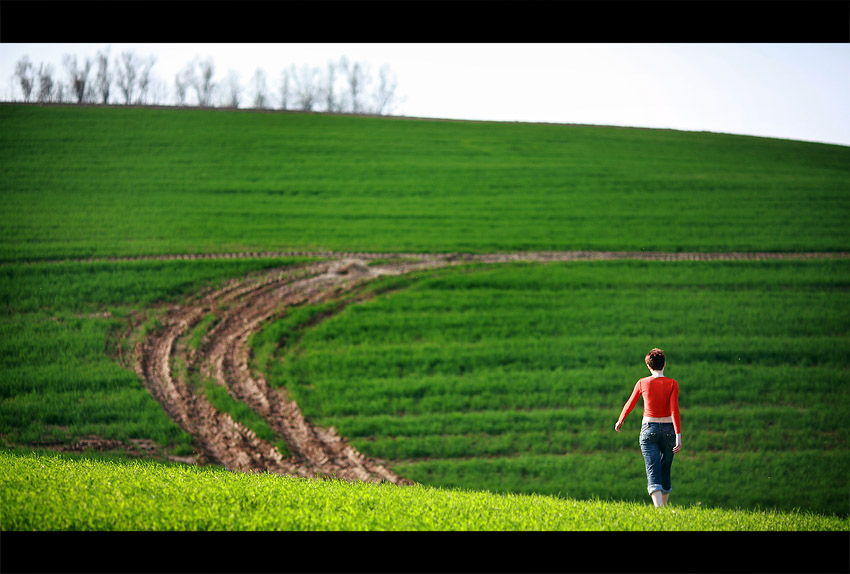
column 656, row 443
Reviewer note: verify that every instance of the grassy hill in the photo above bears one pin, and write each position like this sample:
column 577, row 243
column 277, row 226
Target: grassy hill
column 79, row 182
column 468, row 378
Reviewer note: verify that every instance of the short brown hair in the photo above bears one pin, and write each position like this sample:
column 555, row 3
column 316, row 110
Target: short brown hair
column 655, row 360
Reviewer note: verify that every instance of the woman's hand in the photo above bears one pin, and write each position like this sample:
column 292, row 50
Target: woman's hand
column 618, row 426
column 678, row 446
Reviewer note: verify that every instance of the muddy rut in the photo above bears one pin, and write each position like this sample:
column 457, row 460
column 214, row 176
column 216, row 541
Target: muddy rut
column 163, row 357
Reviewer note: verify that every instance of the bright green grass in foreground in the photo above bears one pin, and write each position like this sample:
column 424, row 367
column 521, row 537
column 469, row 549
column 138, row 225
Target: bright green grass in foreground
column 51, row 492
column 511, row 378
column 91, row 181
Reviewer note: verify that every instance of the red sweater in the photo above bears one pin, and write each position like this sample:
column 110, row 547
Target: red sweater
column 660, row 399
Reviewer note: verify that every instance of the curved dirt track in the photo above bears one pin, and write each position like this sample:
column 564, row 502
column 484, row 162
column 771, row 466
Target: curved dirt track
column 542, row 256
column 162, row 357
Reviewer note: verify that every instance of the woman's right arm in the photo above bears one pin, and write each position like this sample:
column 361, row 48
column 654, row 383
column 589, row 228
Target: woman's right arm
column 627, row 408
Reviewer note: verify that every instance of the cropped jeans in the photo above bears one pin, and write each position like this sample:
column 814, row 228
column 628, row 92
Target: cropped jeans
column 656, row 443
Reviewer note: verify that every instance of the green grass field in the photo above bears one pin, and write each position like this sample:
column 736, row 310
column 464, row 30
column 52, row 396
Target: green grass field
column 60, row 378
column 511, row 378
column 80, row 182
column 505, row 378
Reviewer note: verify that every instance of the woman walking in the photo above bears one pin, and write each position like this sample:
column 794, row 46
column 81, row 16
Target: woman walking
column 661, row 429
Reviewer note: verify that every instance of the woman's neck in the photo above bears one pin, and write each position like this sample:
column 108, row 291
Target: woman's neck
column 657, row 373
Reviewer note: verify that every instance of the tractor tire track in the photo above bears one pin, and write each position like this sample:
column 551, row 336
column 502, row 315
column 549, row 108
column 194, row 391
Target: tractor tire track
column 223, row 356
column 218, row 437
column 581, row 255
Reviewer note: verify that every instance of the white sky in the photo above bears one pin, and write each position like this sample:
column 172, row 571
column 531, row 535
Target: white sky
column 790, row 91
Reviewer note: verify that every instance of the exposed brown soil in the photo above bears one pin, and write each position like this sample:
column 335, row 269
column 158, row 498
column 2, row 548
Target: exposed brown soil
column 494, row 257
column 162, row 357
column 241, row 307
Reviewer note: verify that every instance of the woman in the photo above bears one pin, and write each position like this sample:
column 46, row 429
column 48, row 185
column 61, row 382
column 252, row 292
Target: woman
column 660, row 421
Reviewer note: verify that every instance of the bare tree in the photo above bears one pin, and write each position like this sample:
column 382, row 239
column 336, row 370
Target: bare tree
column 258, row 82
column 145, row 79
column 204, row 86
column 127, row 74
column 328, row 88
column 306, row 87
column 285, row 90
column 46, row 85
column 183, row 80
column 78, row 77
column 103, row 79
column 234, row 91
column 357, row 76
column 61, row 92
column 25, row 74
column 385, row 98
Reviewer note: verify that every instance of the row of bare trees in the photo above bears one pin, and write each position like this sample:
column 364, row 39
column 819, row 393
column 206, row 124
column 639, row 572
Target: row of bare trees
column 90, row 81
column 341, row 86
